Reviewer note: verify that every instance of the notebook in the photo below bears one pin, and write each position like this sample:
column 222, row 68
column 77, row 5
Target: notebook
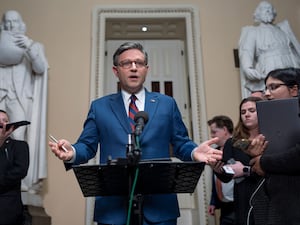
column 279, row 122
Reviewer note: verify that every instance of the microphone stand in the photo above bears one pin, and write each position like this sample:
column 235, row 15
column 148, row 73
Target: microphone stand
column 133, row 154
column 133, row 151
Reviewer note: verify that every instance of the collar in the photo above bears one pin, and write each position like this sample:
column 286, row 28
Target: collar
column 140, row 95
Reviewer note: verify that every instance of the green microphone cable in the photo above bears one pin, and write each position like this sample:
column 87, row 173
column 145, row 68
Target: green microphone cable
column 132, row 195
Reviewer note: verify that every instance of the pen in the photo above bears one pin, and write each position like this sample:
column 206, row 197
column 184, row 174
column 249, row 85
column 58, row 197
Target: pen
column 56, row 141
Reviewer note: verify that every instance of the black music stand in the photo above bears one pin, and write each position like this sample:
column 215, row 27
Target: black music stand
column 116, row 179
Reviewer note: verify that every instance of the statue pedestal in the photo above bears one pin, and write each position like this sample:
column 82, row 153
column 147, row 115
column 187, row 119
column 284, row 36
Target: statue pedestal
column 31, row 199
column 35, row 215
column 34, row 211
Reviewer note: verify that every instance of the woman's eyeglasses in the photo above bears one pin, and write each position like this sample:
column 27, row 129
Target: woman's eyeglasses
column 274, row 86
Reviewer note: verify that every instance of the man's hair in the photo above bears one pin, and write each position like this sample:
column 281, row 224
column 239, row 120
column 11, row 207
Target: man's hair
column 126, row 46
column 2, row 111
column 222, row 121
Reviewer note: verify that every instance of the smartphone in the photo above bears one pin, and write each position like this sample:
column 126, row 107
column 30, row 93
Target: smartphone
column 16, row 124
column 228, row 170
column 242, row 144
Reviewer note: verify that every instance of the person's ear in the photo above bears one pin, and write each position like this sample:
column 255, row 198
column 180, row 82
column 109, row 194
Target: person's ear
column 225, row 130
column 294, row 91
column 115, row 71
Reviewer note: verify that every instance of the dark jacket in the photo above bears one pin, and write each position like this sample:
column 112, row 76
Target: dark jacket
column 14, row 162
column 243, row 187
column 282, row 186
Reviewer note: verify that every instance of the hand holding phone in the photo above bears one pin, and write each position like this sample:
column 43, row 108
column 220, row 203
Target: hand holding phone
column 228, row 170
column 242, row 144
column 16, row 124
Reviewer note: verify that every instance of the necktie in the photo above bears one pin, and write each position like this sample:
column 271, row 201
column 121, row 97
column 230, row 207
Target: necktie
column 132, row 111
column 219, row 189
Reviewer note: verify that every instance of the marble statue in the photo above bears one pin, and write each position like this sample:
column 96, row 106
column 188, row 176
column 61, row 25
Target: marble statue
column 265, row 47
column 23, row 92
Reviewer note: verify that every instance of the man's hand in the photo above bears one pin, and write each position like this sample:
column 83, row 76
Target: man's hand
column 211, row 210
column 205, row 153
column 57, row 149
column 217, row 167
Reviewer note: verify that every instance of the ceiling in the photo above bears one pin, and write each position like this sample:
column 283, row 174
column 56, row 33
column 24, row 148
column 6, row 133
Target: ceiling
column 155, row 28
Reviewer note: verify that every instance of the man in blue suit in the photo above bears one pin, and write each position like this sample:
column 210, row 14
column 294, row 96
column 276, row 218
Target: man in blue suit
column 107, row 125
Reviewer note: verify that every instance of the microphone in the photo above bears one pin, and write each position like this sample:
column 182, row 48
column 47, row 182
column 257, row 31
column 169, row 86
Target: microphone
column 141, row 118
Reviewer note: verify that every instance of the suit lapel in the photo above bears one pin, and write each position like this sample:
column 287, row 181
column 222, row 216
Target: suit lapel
column 118, row 109
column 151, row 104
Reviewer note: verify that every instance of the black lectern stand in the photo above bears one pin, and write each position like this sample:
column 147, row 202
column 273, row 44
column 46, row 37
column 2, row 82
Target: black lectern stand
column 168, row 177
column 154, row 177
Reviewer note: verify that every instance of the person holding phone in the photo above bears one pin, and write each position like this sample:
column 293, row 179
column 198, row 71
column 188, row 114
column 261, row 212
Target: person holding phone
column 236, row 159
column 14, row 163
column 281, row 170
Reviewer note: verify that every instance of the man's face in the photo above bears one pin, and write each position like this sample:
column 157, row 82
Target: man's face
column 131, row 70
column 221, row 133
column 12, row 22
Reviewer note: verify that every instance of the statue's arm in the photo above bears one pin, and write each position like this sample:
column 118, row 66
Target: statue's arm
column 35, row 54
column 247, row 51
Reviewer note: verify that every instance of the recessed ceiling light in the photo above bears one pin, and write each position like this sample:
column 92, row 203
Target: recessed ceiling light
column 144, row 28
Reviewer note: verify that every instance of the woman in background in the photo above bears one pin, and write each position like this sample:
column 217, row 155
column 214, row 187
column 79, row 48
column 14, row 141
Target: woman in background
column 235, row 158
column 281, row 170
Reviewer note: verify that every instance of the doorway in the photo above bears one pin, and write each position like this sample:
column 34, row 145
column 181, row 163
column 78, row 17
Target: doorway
column 112, row 24
column 167, row 72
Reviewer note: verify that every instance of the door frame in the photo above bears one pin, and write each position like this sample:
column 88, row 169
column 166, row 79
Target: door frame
column 194, row 71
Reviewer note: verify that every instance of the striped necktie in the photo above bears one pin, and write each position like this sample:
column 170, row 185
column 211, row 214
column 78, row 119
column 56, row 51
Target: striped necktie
column 132, row 111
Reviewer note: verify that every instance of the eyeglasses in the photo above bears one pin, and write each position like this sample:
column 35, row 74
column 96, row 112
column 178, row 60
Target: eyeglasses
column 273, row 87
column 128, row 64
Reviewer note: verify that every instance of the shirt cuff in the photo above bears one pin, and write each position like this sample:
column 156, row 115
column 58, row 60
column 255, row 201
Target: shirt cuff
column 72, row 160
column 192, row 154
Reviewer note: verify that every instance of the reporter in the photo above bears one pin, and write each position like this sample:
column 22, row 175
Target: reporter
column 14, row 163
column 281, row 170
column 238, row 160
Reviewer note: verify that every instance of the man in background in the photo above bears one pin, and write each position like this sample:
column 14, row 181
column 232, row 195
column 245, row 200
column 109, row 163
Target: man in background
column 222, row 193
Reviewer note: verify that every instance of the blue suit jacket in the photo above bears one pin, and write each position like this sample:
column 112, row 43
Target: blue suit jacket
column 107, row 125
